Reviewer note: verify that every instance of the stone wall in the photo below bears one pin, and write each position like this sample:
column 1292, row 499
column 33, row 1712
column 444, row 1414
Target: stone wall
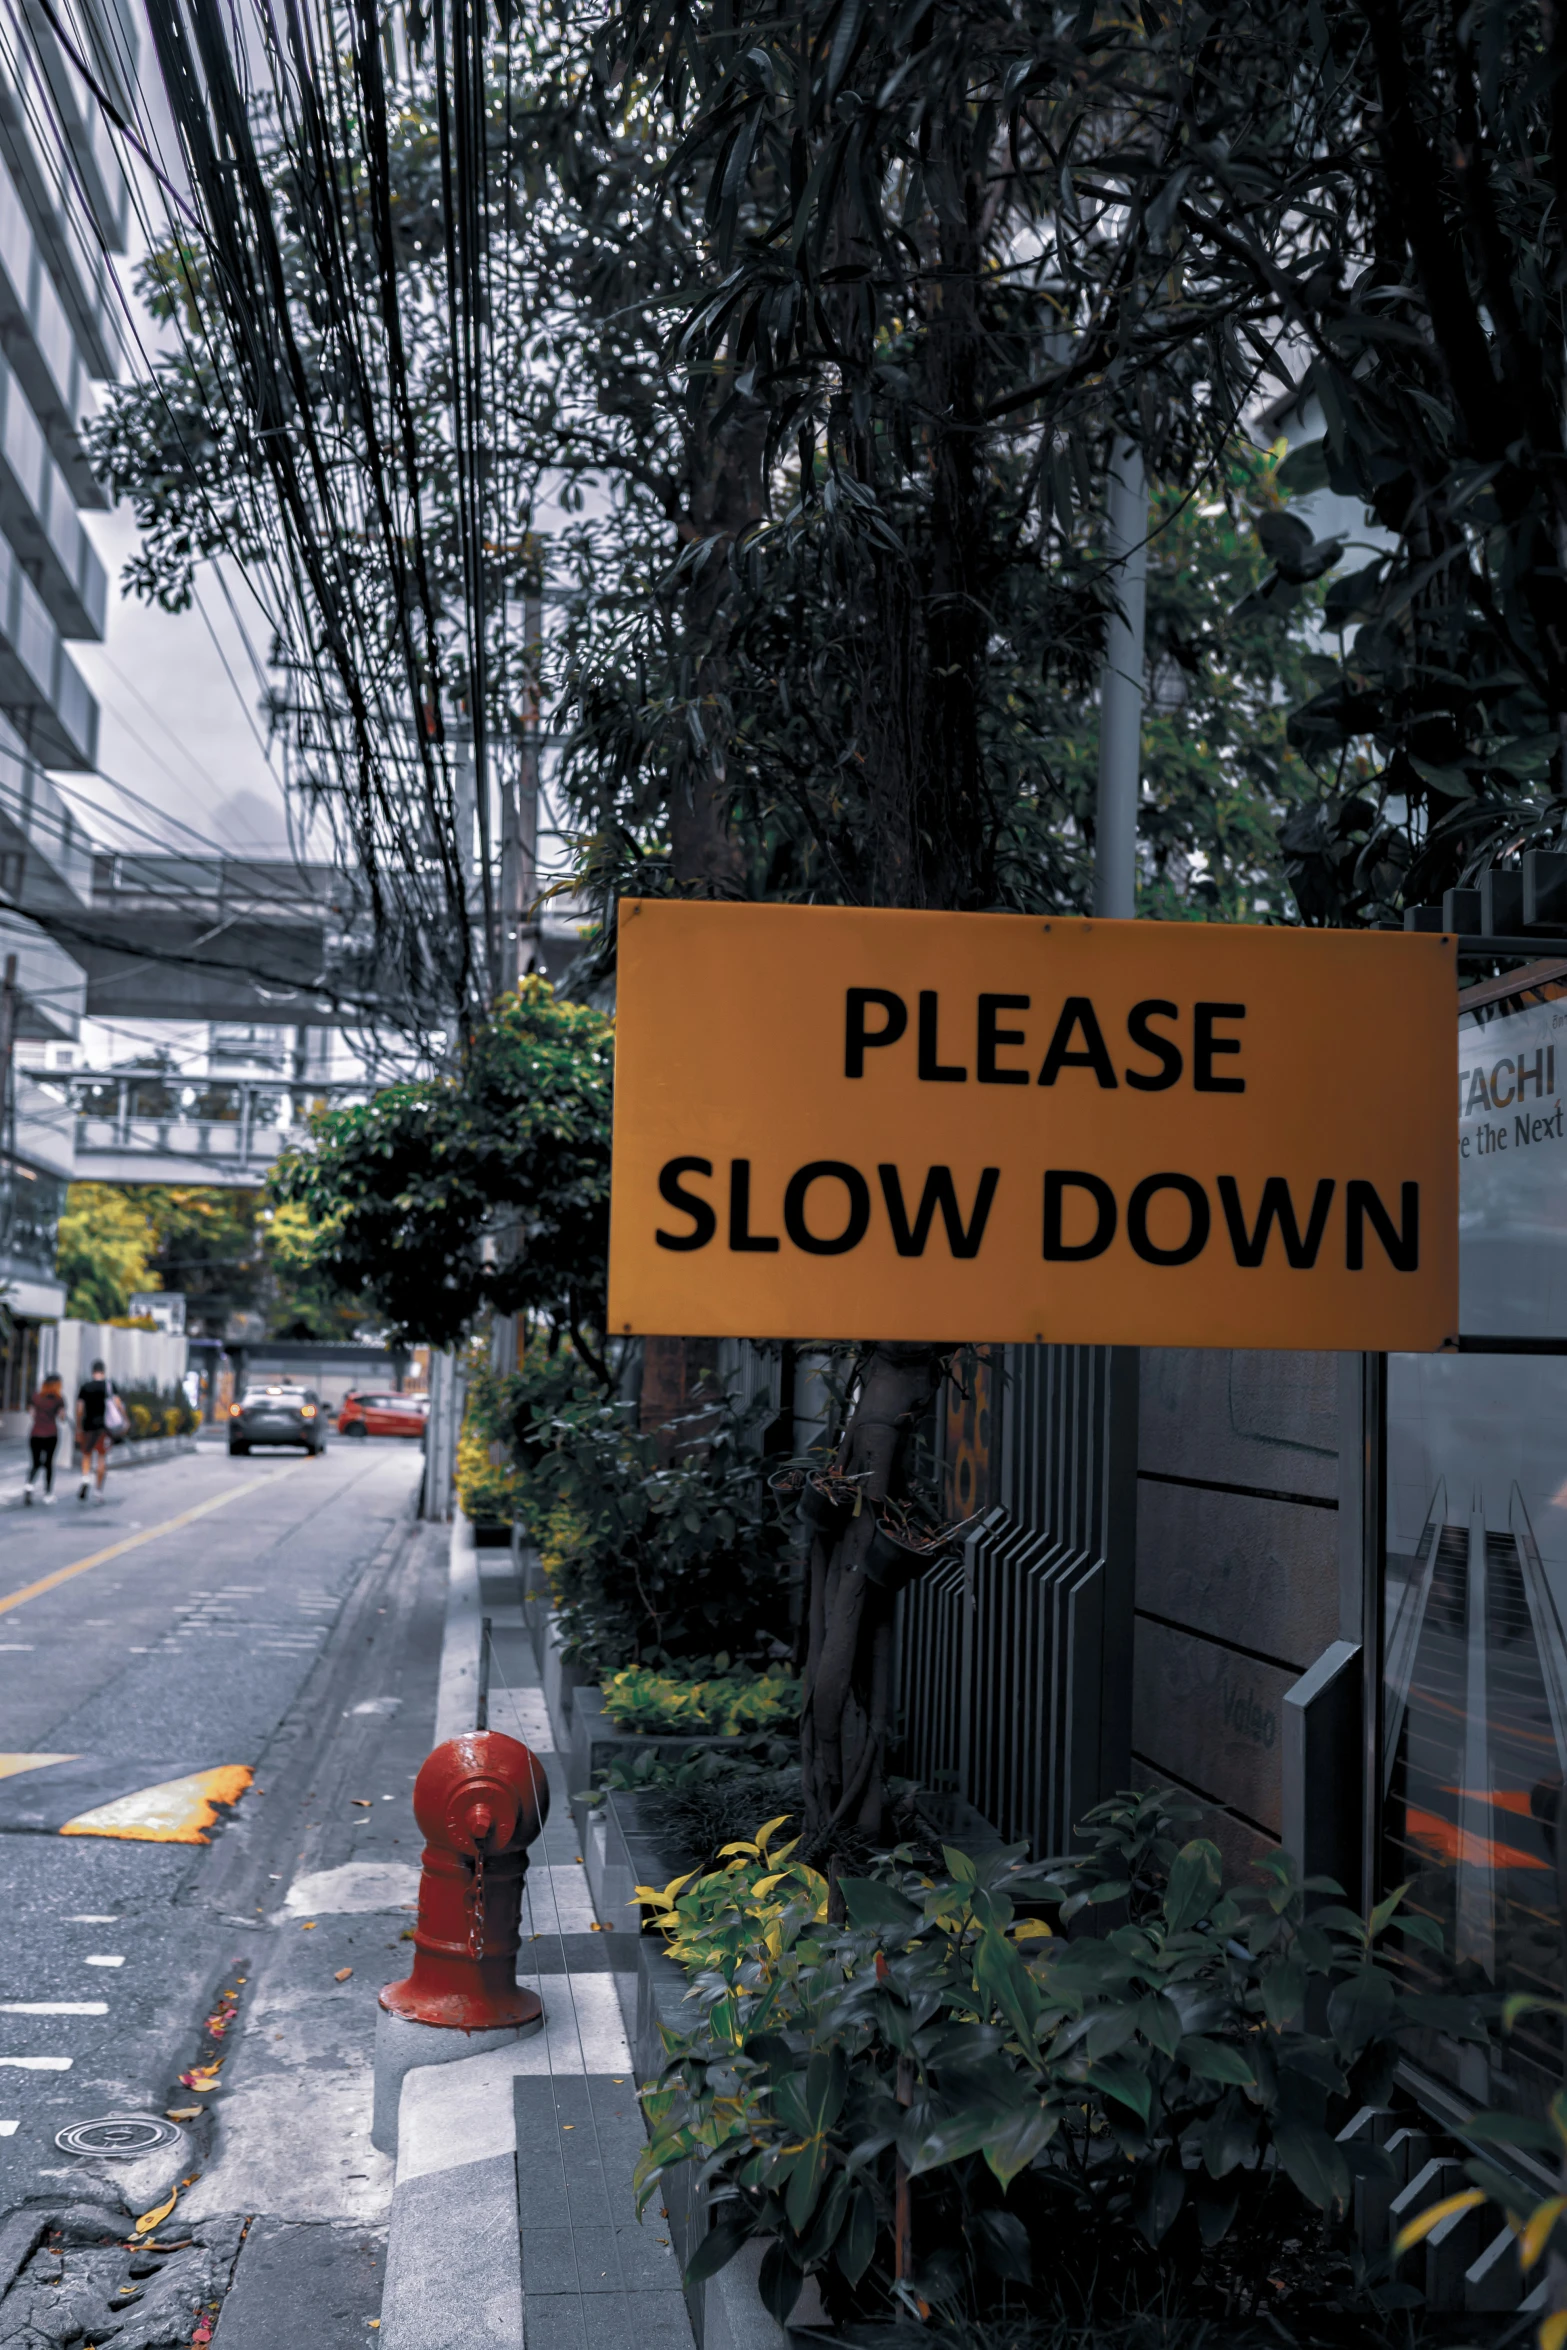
column 1244, row 1571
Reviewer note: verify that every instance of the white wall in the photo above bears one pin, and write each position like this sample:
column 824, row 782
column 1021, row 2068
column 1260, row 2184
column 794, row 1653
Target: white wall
column 136, row 1358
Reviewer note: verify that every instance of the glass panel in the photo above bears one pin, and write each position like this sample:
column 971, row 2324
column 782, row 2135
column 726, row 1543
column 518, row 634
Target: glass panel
column 1475, row 1690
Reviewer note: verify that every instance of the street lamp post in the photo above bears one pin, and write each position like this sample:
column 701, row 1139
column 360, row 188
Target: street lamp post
column 1121, row 688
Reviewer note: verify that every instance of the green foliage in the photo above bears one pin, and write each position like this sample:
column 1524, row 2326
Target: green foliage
column 653, row 1559
column 104, row 1251
column 761, row 1899
column 697, row 1802
column 156, row 1411
column 489, row 1188
column 638, row 1698
column 220, row 1248
column 1143, row 2091
column 487, row 1489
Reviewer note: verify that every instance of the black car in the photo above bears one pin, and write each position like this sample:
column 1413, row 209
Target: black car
column 277, row 1414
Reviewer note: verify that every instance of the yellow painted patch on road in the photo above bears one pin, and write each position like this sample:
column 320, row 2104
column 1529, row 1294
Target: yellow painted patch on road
column 100, row 1558
column 175, row 1813
column 11, row 1765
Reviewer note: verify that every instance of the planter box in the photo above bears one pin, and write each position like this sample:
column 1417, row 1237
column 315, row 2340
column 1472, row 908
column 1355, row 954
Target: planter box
column 623, row 1849
column 136, row 1450
column 596, row 1742
column 727, row 2312
column 562, row 1679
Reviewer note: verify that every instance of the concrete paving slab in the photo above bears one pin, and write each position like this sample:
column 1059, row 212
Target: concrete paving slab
column 295, row 2283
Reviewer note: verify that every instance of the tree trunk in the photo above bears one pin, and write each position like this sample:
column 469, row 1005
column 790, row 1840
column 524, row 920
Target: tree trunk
column 848, row 1665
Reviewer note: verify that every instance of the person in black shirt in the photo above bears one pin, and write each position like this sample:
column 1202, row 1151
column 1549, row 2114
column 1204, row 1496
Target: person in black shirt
column 92, row 1429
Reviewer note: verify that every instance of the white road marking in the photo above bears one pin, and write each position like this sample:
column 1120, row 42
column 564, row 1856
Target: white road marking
column 106, row 1958
column 91, row 1917
column 39, row 2064
column 54, row 2007
column 358, row 1886
column 16, row 1648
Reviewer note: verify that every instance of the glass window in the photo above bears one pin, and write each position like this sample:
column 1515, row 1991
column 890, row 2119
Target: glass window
column 1475, row 1685
column 1474, row 1750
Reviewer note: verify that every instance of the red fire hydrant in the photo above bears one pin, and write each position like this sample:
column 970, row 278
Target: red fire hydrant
column 480, row 1800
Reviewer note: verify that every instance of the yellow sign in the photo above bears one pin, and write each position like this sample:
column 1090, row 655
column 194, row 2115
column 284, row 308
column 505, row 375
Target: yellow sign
column 835, row 1124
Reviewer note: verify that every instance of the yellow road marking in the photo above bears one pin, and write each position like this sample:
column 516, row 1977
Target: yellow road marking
column 117, row 1550
column 174, row 1813
column 12, row 1764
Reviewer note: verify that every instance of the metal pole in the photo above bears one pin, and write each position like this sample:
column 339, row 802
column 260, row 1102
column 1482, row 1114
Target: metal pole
column 7, row 1106
column 1121, row 688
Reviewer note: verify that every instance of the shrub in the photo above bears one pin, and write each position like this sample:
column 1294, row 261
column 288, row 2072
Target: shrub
column 654, row 1560
column 154, row 1411
column 638, row 1698
column 900, row 2105
column 708, row 1797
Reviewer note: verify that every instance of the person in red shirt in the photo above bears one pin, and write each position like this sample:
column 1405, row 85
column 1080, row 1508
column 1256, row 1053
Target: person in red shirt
column 49, row 1409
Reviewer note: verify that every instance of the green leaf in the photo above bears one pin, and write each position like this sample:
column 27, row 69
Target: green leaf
column 936, row 2143
column 857, row 2239
column 717, row 2248
column 1195, row 1878
column 1305, row 469
column 778, row 2282
column 1216, row 2060
column 1012, row 2145
column 872, row 1904
column 1361, row 2009
column 1157, row 2197
column 1513, row 2129
column 1001, row 2240
column 1005, row 1982
column 1315, row 2163
column 1119, row 2078
column 1283, row 1992
column 1229, row 2136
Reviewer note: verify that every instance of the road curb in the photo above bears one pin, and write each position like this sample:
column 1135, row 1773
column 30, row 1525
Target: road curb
column 457, row 1701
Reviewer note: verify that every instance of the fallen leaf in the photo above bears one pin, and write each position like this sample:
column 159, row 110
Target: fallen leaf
column 360, row 1802
column 342, row 1974
column 184, row 2113
column 308, row 1926
column 203, row 2078
column 152, row 2219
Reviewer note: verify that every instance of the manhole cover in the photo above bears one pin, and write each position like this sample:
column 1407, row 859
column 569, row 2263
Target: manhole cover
column 120, row 2135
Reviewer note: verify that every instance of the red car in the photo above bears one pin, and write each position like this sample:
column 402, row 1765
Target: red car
column 383, row 1415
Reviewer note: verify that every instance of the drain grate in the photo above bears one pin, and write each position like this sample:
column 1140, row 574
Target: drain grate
column 121, row 2136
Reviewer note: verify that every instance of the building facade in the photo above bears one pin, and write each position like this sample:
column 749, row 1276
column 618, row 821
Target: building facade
column 64, row 208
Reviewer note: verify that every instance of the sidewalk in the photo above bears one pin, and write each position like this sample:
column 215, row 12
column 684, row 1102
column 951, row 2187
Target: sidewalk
column 513, row 2217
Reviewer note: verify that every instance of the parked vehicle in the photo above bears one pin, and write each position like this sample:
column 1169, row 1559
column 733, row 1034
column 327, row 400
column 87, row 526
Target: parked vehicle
column 383, row 1415
column 278, row 1414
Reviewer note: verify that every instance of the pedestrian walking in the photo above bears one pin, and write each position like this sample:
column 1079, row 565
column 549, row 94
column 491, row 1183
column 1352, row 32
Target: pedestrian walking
column 49, row 1409
column 100, row 1416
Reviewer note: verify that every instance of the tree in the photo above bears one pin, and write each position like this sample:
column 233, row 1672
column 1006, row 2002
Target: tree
column 835, row 585
column 949, row 256
column 488, row 1188
column 1427, row 307
column 105, row 1251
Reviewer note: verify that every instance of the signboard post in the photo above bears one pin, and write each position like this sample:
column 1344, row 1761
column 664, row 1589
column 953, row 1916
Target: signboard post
column 832, row 1123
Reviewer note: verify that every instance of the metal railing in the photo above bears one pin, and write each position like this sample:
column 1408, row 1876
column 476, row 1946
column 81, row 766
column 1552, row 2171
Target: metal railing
column 230, row 1121
column 1014, row 1667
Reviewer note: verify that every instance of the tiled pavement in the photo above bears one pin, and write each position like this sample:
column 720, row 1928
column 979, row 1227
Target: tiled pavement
column 544, row 2131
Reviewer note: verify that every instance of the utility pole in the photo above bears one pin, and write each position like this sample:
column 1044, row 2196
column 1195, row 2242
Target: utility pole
column 1121, row 688
column 520, row 810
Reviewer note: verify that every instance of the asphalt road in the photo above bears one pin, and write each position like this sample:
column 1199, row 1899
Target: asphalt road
column 274, row 1629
